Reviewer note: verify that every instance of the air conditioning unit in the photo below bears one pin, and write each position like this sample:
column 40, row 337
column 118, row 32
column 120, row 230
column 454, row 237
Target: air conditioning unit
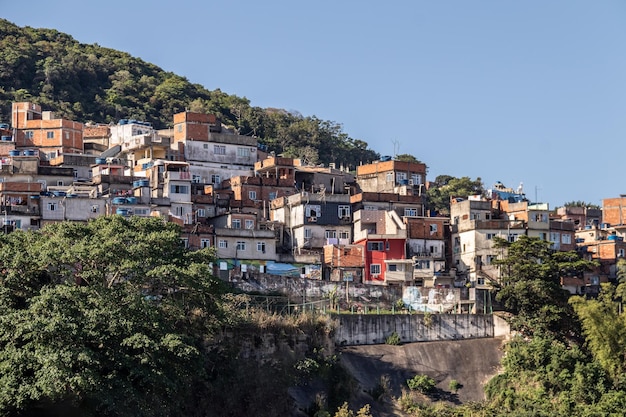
column 312, row 219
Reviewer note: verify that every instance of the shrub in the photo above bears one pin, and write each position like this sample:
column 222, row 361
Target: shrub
column 421, row 383
column 455, row 385
column 393, row 339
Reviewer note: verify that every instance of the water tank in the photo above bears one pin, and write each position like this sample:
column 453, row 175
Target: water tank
column 101, row 161
column 123, row 121
column 385, row 158
column 119, row 200
column 612, row 237
column 7, row 138
column 131, row 200
column 29, row 152
column 14, row 152
column 4, row 125
column 122, row 211
column 59, row 193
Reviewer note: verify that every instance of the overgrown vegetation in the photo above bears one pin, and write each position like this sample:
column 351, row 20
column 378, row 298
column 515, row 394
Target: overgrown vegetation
column 91, row 83
column 393, row 339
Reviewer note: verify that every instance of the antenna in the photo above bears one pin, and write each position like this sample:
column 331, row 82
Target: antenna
column 396, row 144
column 536, row 188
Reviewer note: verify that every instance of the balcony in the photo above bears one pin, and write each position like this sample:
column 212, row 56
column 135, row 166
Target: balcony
column 177, row 175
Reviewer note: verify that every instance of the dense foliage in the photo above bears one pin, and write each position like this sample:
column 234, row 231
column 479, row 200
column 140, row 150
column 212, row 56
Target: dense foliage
column 445, row 187
column 109, row 318
column 91, row 83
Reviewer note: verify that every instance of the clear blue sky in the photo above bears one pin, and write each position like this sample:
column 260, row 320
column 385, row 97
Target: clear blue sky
column 514, row 91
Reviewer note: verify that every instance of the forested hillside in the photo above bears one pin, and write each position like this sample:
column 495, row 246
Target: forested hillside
column 91, row 83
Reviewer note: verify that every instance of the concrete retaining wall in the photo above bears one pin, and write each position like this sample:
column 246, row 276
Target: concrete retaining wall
column 369, row 329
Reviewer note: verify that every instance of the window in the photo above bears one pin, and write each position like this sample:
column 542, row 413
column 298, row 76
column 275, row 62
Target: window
column 313, row 210
column 620, row 253
column 179, row 189
column 185, row 242
column 554, row 237
column 344, row 212
column 75, row 173
column 422, row 264
column 222, row 244
column 370, row 208
column 375, row 269
column 490, row 236
column 272, row 196
column 205, row 146
column 52, row 206
column 566, row 239
column 260, row 247
column 410, row 212
column 417, row 180
column 201, row 213
column 179, row 127
column 235, row 223
column 490, row 259
column 401, row 176
column 375, row 246
column 392, row 267
column 50, row 134
column 28, row 134
column 205, row 243
column 178, row 211
column 67, row 135
column 241, row 245
column 330, row 234
column 252, row 195
column 243, row 152
column 141, row 211
column 215, row 179
column 389, row 177
column 196, row 178
column 219, row 149
column 307, row 233
column 344, row 234
column 249, row 224
column 60, row 183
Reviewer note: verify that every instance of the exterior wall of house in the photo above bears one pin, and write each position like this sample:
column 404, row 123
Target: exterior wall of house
column 376, row 252
column 196, row 126
column 384, row 176
column 614, row 211
column 34, row 128
column 239, row 152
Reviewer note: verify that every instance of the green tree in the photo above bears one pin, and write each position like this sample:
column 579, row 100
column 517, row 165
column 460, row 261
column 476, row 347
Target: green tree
column 446, row 187
column 110, row 317
column 405, row 157
column 604, row 326
column 531, row 283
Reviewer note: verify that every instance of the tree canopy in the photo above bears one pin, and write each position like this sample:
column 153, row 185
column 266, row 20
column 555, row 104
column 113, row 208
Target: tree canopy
column 445, row 187
column 89, row 83
column 531, row 283
column 108, row 318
